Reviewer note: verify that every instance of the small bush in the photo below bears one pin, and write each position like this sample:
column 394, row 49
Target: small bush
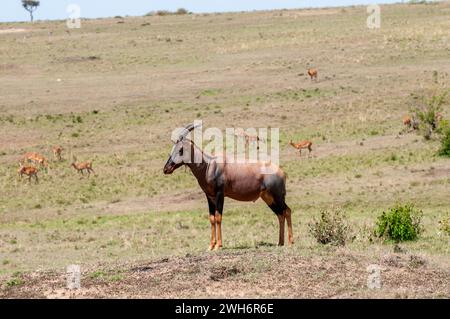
column 14, row 282
column 400, row 223
column 330, row 228
column 427, row 110
column 181, row 11
column 445, row 142
column 163, row 13
column 445, row 225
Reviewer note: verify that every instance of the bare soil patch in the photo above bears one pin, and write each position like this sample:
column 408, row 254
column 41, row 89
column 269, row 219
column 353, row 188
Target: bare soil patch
column 258, row 274
column 13, row 30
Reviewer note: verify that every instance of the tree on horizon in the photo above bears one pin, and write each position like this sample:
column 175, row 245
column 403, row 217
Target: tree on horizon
column 30, row 6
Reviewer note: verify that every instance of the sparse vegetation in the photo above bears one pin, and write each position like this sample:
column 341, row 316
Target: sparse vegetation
column 331, row 227
column 400, row 223
column 14, row 282
column 161, row 13
column 444, row 225
column 428, row 111
column 445, row 141
column 114, row 93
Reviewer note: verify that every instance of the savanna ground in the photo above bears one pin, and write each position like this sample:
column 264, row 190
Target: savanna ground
column 114, row 90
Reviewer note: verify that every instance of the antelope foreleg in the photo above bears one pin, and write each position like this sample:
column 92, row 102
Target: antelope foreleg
column 218, row 218
column 212, row 219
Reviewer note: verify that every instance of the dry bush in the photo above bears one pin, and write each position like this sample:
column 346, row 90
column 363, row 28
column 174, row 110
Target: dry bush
column 426, row 108
column 331, row 228
column 445, row 225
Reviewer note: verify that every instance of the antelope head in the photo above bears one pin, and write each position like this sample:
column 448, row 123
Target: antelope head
column 181, row 151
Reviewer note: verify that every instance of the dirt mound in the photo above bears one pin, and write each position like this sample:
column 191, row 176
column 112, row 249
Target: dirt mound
column 254, row 273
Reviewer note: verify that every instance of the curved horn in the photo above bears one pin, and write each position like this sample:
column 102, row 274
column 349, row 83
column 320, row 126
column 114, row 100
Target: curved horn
column 186, row 130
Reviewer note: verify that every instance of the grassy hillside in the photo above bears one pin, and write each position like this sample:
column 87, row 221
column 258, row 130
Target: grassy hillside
column 114, row 90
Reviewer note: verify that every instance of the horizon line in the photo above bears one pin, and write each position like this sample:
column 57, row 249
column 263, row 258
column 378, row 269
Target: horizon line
column 153, row 12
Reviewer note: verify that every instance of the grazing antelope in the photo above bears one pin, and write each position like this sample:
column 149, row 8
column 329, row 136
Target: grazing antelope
column 57, row 152
column 30, row 171
column 80, row 167
column 248, row 138
column 301, row 145
column 219, row 177
column 407, row 121
column 35, row 158
column 313, row 74
column 410, row 122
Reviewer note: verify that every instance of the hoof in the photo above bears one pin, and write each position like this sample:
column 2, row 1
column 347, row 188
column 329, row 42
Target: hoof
column 212, row 246
column 217, row 247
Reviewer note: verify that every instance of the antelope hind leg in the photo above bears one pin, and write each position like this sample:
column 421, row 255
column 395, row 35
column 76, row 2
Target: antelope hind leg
column 212, row 220
column 218, row 218
column 287, row 213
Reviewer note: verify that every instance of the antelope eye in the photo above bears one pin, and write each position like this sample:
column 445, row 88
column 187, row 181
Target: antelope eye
column 181, row 152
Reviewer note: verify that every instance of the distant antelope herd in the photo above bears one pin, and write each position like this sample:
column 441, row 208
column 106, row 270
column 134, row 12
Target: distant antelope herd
column 40, row 162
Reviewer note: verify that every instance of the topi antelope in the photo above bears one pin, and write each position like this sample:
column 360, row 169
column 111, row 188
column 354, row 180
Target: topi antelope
column 313, row 74
column 219, row 178
column 30, row 171
column 301, row 145
column 80, row 167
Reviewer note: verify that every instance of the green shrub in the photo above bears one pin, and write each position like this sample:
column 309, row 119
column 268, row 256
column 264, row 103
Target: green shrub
column 429, row 106
column 14, row 282
column 445, row 142
column 330, row 228
column 400, row 223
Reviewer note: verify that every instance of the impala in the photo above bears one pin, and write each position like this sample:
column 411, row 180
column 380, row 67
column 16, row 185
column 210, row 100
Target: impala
column 29, row 171
column 35, row 158
column 248, row 138
column 313, row 74
column 85, row 166
column 411, row 122
column 219, row 177
column 302, row 145
column 57, row 153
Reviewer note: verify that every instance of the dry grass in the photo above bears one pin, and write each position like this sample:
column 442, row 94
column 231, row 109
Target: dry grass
column 113, row 93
